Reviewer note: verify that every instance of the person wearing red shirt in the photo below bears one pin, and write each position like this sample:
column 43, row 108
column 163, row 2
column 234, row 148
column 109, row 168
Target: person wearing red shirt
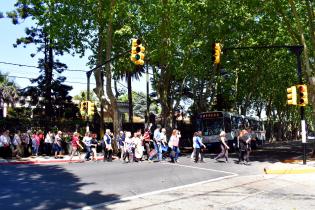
column 75, row 143
column 146, row 140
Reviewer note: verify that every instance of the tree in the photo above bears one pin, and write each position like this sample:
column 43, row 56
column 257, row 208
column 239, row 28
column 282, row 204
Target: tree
column 54, row 92
column 8, row 91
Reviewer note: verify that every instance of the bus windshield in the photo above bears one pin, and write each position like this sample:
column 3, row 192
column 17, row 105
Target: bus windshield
column 212, row 126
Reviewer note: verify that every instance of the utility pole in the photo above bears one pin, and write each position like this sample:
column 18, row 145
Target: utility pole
column 298, row 51
column 148, row 98
column 88, row 75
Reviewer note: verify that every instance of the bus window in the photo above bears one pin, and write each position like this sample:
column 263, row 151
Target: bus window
column 227, row 124
column 234, row 122
column 212, row 126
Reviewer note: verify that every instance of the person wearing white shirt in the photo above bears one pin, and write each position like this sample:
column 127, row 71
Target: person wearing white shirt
column 108, row 150
column 5, row 144
column 48, row 143
column 18, row 148
column 87, row 143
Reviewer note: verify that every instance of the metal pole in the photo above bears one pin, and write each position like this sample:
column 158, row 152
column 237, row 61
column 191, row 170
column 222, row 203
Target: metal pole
column 298, row 51
column 88, row 75
column 148, row 98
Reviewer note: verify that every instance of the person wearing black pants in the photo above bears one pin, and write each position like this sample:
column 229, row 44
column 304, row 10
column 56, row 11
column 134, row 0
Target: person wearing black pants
column 224, row 147
column 87, row 143
column 108, row 150
column 244, row 146
column 197, row 145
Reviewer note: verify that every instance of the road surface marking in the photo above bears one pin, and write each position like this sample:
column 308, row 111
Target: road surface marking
column 206, row 169
column 164, row 190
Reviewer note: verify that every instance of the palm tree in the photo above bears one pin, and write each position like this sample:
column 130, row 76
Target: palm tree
column 129, row 75
column 8, row 91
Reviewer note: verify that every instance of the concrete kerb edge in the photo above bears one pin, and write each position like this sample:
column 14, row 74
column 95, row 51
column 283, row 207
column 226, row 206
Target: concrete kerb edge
column 290, row 170
column 28, row 162
column 293, row 166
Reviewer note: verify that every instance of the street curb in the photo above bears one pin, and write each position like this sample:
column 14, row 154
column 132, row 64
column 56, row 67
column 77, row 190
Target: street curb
column 289, row 171
column 293, row 166
column 34, row 162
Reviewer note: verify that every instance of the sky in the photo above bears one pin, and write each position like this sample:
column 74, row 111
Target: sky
column 20, row 55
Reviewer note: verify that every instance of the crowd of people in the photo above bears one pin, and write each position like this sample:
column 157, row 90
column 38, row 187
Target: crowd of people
column 150, row 146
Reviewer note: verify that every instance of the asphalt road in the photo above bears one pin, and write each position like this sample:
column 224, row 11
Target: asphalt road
column 75, row 185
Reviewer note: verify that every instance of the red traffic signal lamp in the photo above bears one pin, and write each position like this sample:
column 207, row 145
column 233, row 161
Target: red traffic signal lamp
column 137, row 52
column 303, row 97
column 216, row 53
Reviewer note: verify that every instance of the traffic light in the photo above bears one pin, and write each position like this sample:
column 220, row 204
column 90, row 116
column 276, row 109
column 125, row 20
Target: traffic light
column 137, row 55
column 216, row 53
column 303, row 100
column 84, row 107
column 291, row 95
column 91, row 109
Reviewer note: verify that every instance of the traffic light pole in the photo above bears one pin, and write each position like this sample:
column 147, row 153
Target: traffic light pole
column 297, row 50
column 148, row 98
column 88, row 75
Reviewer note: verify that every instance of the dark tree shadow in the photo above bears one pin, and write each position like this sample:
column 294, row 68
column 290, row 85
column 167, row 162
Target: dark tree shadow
column 44, row 187
column 270, row 152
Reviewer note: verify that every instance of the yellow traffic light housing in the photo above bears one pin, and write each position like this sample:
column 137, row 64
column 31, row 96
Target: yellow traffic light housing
column 216, row 53
column 292, row 95
column 84, row 107
column 137, row 52
column 303, row 96
column 91, row 109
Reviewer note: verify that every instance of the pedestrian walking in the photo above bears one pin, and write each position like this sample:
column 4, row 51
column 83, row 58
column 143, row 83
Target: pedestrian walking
column 57, row 144
column 197, row 145
column 108, row 150
column 48, row 143
column 5, row 143
column 173, row 144
column 87, row 144
column 17, row 143
column 75, row 143
column 35, row 143
column 120, row 143
column 164, row 145
column 244, row 146
column 94, row 144
column 138, row 141
column 128, row 146
column 224, row 147
column 147, row 141
column 157, row 142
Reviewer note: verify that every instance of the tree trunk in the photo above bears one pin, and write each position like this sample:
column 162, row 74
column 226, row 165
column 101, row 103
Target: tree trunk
column 98, row 73
column 108, row 73
column 49, row 60
column 130, row 97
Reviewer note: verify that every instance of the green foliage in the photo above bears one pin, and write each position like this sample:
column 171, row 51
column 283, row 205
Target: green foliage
column 178, row 35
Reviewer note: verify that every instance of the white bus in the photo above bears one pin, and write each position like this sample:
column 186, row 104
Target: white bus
column 212, row 123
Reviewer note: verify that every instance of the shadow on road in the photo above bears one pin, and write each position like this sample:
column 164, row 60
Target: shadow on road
column 270, row 152
column 39, row 187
